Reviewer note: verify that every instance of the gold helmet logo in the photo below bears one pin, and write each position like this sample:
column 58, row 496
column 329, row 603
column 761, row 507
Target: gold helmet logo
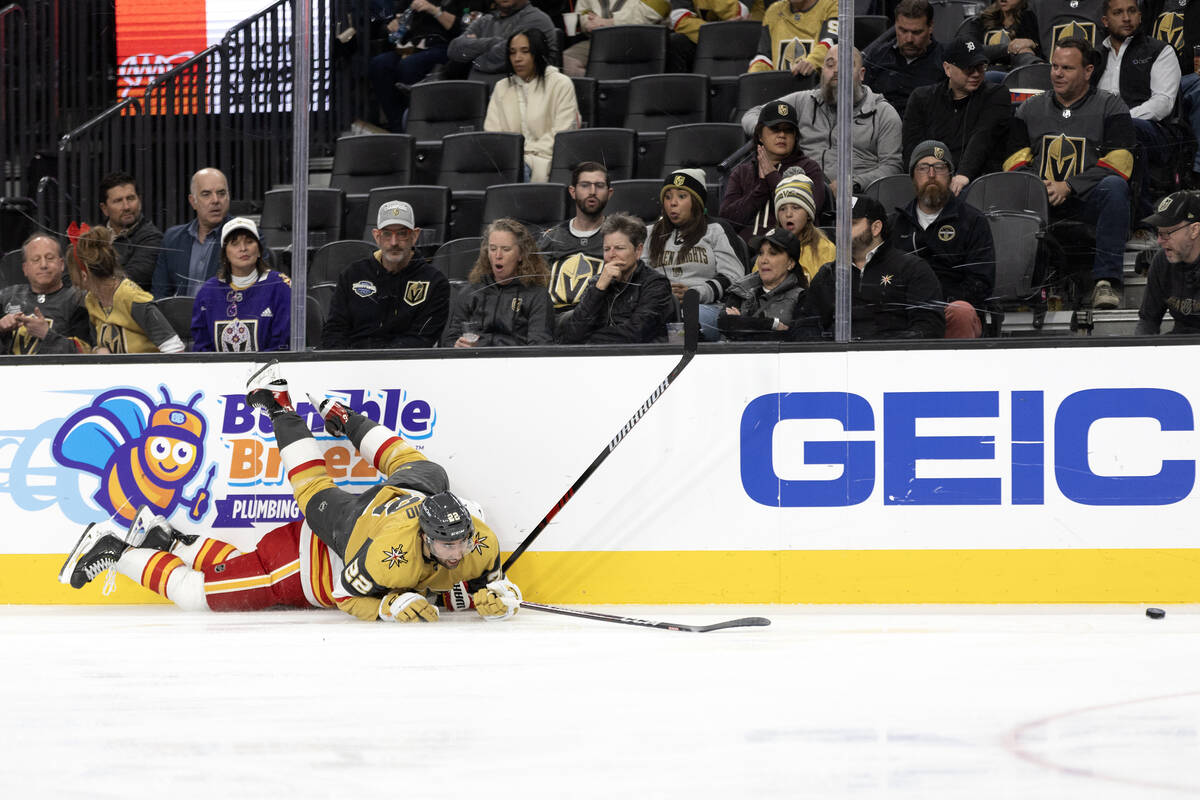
column 415, row 292
column 1062, row 157
column 782, row 109
column 1169, row 28
column 939, row 153
column 1165, row 204
column 679, row 179
column 1076, row 29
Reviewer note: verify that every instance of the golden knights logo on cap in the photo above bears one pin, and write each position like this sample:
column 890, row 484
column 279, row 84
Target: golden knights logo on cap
column 415, row 292
column 939, row 153
column 1165, row 204
column 679, row 179
column 782, row 109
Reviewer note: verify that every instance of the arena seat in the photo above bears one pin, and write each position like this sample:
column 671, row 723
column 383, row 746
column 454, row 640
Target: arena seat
column 537, row 206
column 615, row 148
column 334, row 257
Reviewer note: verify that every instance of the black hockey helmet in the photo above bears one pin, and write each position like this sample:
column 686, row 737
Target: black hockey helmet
column 444, row 518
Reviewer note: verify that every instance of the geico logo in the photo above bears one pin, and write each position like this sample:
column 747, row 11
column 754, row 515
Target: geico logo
column 1145, row 478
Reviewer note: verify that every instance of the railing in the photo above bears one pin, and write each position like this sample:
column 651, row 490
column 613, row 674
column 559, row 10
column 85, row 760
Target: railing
column 56, row 70
column 228, row 107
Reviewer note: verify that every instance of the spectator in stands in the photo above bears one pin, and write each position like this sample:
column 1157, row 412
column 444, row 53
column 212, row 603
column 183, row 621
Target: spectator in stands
column 1173, row 282
column 970, row 115
column 535, row 100
column 246, row 307
column 905, row 57
column 1144, row 73
column 1079, row 141
column 506, row 302
column 795, row 36
column 749, row 196
column 877, row 126
column 690, row 249
column 893, row 294
column 765, row 304
column 1008, row 30
column 794, row 210
column 420, row 34
column 484, row 45
column 1177, row 22
column 628, row 302
column 595, row 14
column 392, row 298
column 137, row 238
column 951, row 236
column 190, row 252
column 684, row 23
column 1062, row 19
column 123, row 316
column 575, row 248
column 43, row 315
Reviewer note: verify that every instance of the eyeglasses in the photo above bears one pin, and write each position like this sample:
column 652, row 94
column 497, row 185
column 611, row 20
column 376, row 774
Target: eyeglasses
column 1162, row 235
column 932, row 169
column 975, row 68
column 588, row 186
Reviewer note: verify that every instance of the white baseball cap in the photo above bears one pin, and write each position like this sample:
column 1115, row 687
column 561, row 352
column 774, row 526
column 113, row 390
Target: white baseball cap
column 238, row 224
column 396, row 212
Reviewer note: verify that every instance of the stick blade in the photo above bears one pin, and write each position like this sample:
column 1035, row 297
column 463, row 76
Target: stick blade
column 741, row 622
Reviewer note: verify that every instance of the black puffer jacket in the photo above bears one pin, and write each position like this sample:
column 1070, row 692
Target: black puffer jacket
column 632, row 312
column 512, row 314
column 758, row 309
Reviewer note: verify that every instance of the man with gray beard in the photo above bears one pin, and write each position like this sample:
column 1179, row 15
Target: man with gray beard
column 877, row 129
column 950, row 235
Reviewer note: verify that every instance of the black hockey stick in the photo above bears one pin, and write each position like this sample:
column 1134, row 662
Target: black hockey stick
column 741, row 622
column 691, row 334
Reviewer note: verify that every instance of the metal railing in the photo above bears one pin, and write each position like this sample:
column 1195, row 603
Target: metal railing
column 228, row 107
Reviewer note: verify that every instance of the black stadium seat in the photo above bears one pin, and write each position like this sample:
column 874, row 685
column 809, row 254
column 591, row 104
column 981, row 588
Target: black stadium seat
column 334, row 257
column 620, row 52
column 656, row 102
column 615, row 148
column 538, row 206
column 325, row 209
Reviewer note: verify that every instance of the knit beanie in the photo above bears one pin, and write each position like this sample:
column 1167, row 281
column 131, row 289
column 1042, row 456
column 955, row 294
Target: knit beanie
column 690, row 180
column 795, row 187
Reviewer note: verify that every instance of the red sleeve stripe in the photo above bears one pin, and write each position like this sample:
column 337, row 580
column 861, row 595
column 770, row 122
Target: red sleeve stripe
column 158, row 569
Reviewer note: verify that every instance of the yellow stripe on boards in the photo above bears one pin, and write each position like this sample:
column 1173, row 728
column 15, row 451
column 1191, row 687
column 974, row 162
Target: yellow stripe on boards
column 794, row 576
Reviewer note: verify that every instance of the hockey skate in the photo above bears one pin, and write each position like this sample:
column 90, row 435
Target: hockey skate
column 155, row 532
column 335, row 415
column 267, row 390
column 97, row 550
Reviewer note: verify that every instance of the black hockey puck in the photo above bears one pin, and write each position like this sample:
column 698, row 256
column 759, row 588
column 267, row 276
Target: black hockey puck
column 1155, row 613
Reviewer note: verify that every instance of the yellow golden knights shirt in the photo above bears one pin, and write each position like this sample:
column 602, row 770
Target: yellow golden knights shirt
column 791, row 36
column 384, row 556
column 133, row 324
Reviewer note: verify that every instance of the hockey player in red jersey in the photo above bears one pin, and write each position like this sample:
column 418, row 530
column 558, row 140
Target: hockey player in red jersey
column 395, row 552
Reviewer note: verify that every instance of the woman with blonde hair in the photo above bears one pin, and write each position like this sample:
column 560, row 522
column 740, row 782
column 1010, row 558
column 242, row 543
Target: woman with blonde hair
column 123, row 315
column 506, row 302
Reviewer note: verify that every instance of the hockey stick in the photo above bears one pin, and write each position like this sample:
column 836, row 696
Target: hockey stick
column 741, row 622
column 691, row 334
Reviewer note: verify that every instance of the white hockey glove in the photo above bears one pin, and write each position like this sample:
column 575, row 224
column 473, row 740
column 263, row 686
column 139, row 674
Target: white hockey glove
column 498, row 600
column 407, row 607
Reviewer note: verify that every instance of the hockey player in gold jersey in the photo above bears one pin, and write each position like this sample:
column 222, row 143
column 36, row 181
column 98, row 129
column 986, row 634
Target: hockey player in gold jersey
column 393, row 553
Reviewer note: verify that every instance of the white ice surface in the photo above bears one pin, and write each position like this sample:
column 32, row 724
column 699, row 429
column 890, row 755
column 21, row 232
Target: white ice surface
column 827, row 702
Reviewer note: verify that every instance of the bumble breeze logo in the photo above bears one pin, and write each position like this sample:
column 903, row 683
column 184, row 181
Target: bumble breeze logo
column 258, row 488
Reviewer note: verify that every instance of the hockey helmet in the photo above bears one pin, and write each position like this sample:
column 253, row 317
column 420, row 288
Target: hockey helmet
column 444, row 518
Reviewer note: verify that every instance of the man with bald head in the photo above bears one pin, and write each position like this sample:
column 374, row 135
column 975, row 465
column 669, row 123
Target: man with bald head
column 190, row 252
column 42, row 315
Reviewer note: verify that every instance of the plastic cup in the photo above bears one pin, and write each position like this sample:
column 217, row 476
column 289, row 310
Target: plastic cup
column 571, row 23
